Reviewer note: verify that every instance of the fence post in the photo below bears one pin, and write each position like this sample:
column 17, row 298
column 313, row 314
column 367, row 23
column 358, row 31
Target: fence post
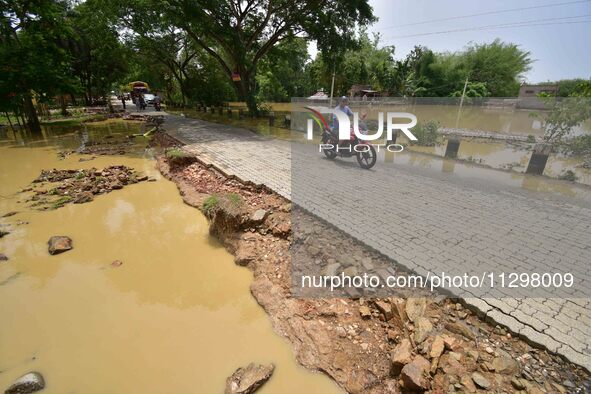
column 539, row 158
column 453, row 146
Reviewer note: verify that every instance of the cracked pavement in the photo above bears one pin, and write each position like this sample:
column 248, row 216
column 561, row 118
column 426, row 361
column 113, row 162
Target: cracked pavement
column 440, row 218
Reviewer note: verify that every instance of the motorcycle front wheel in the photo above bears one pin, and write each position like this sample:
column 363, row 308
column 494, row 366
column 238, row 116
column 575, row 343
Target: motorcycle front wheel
column 367, row 158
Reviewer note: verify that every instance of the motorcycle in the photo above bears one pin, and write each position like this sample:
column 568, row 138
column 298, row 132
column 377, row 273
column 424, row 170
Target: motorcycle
column 332, row 147
column 157, row 106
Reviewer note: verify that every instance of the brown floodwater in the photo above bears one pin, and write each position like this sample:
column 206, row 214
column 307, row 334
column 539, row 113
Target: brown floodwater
column 176, row 316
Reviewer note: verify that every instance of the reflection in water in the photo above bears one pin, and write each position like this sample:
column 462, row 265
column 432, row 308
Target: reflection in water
column 178, row 306
column 477, row 172
column 496, row 154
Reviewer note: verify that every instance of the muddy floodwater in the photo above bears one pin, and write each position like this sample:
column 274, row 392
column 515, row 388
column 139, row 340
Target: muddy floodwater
column 175, row 317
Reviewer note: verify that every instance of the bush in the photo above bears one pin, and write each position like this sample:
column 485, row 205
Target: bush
column 580, row 146
column 210, row 204
column 568, row 175
column 427, row 133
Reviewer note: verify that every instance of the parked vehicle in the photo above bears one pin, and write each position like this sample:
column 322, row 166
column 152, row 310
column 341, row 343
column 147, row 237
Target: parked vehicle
column 149, row 98
column 365, row 152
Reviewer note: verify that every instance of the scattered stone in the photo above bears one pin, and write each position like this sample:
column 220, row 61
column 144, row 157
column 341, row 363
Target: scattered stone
column 415, row 376
column 415, row 308
column 518, row 384
column 450, row 342
column 505, row 364
column 364, row 311
column 3, row 233
column 422, row 329
column 437, row 347
column 11, row 213
column 83, row 197
column 29, row 383
column 468, row 384
column 460, row 328
column 474, row 354
column 3, row 257
column 258, row 216
column 489, row 350
column 392, row 335
column 559, row 388
column 116, row 263
column 385, row 309
column 59, row 244
column 400, row 356
column 248, row 379
column 480, row 380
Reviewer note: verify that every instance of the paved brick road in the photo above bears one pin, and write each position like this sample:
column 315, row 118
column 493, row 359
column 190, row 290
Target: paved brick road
column 442, row 221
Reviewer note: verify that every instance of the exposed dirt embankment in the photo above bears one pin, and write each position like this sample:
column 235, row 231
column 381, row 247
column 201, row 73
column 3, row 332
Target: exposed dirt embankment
column 369, row 345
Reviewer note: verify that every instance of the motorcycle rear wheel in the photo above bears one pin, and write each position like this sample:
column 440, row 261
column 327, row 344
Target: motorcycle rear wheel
column 329, row 153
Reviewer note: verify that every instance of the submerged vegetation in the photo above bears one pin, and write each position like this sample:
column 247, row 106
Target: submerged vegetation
column 427, row 133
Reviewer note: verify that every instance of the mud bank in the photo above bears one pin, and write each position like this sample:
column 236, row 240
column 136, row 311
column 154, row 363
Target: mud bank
column 366, row 344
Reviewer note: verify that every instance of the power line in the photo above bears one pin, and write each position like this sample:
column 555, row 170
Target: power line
column 533, row 22
column 485, row 13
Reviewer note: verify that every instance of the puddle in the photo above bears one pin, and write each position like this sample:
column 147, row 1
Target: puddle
column 175, row 316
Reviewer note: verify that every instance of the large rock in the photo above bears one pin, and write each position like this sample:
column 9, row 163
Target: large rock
column 415, row 308
column 248, row 379
column 385, row 309
column 480, row 380
column 505, row 364
column 437, row 347
column 460, row 329
column 415, row 375
column 400, row 356
column 258, row 216
column 59, row 244
column 422, row 329
column 29, row 383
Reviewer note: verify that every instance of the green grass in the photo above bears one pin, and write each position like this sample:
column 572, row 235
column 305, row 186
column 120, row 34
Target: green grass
column 176, row 153
column 234, row 199
column 210, row 204
column 60, row 202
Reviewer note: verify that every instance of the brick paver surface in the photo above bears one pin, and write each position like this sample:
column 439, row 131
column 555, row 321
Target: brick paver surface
column 433, row 220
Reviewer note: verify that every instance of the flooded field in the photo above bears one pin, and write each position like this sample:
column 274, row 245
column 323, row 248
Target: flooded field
column 503, row 155
column 502, row 120
column 175, row 315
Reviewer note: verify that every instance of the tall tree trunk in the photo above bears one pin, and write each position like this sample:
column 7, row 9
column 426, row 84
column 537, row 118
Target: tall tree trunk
column 63, row 105
column 73, row 98
column 245, row 90
column 9, row 121
column 31, row 114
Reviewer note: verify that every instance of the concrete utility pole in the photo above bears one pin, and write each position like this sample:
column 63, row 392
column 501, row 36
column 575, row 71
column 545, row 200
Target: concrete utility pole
column 462, row 101
column 464, row 92
column 332, row 84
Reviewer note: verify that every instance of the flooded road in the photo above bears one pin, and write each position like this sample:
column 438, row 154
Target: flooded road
column 175, row 316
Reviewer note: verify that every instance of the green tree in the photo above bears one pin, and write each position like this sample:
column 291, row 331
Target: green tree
column 498, row 64
column 239, row 34
column 99, row 59
column 32, row 63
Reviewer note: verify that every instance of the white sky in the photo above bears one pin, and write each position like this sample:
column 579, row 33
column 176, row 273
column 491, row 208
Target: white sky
column 558, row 34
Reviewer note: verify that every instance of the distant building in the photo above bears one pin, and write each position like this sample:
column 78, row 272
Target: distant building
column 529, row 95
column 535, row 90
column 363, row 90
column 319, row 95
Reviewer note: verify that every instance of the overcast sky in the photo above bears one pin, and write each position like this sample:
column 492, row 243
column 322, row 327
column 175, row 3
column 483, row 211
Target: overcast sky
column 557, row 37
